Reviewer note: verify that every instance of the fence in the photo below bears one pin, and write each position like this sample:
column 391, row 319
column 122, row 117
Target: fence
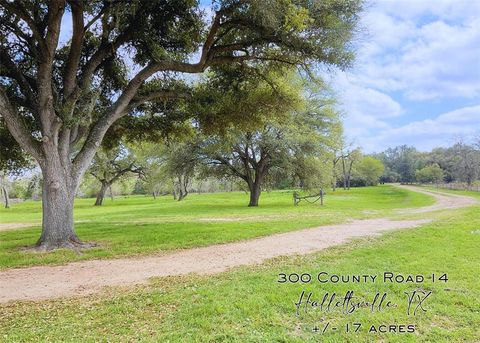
column 459, row 186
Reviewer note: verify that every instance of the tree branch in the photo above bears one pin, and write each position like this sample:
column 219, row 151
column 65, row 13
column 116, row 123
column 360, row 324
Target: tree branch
column 17, row 128
column 15, row 8
column 232, row 168
column 17, row 75
column 70, row 74
column 159, row 94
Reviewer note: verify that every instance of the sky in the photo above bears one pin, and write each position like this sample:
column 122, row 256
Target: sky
column 416, row 80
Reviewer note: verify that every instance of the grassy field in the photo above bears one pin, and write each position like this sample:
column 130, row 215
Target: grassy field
column 142, row 225
column 249, row 305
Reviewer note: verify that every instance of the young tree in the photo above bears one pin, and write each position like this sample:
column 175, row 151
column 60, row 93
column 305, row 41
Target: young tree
column 348, row 158
column 369, row 170
column 337, row 157
column 58, row 101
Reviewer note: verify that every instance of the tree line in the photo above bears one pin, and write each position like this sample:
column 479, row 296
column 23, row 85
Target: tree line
column 458, row 163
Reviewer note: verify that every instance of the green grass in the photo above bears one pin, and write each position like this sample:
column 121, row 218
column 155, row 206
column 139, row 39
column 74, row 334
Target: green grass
column 453, row 191
column 141, row 225
column 248, row 305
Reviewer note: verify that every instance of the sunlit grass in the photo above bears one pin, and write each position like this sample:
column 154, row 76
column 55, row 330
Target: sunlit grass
column 142, row 225
column 248, row 305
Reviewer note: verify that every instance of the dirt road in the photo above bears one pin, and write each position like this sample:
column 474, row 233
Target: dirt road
column 80, row 278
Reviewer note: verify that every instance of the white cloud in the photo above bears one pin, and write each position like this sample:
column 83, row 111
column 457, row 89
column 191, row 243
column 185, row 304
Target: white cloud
column 429, row 133
column 418, row 9
column 415, row 52
column 433, row 61
column 365, row 109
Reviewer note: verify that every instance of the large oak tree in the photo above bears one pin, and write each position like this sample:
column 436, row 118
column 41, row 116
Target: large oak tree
column 292, row 128
column 58, row 101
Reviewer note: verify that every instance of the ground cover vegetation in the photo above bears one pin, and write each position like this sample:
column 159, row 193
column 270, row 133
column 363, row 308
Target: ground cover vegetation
column 249, row 305
column 141, row 225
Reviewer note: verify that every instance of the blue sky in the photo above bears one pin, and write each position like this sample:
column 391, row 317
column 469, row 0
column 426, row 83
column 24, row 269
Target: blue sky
column 416, row 80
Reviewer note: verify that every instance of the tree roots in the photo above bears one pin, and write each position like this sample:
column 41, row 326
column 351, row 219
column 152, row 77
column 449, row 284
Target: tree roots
column 72, row 243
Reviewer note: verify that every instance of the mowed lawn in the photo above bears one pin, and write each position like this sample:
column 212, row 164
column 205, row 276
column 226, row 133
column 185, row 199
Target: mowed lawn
column 142, row 225
column 247, row 304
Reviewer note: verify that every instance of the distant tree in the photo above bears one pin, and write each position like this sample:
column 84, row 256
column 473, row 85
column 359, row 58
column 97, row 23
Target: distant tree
column 401, row 160
column 444, row 158
column 110, row 165
column 466, row 163
column 349, row 158
column 13, row 160
column 182, row 160
column 430, row 174
column 389, row 176
column 4, row 189
column 170, row 164
column 369, row 170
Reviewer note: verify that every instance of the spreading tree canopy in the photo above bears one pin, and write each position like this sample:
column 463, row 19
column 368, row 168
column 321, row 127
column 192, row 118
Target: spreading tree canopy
column 292, row 129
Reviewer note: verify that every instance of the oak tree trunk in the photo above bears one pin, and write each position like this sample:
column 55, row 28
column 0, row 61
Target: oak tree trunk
column 5, row 195
column 111, row 192
column 58, row 194
column 183, row 181
column 255, row 191
column 101, row 194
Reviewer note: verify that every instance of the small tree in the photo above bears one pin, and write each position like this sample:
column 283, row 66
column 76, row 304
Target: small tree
column 348, row 158
column 369, row 170
column 430, row 174
column 110, row 165
column 170, row 164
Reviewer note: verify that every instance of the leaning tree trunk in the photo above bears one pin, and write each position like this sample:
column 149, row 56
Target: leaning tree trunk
column 5, row 195
column 3, row 184
column 182, row 187
column 335, row 178
column 101, row 194
column 255, row 191
column 111, row 192
column 58, row 194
